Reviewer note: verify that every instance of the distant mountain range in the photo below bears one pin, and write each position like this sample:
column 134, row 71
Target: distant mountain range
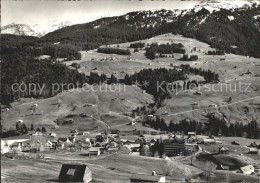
column 42, row 29
column 18, row 29
column 216, row 5
column 233, row 26
column 37, row 30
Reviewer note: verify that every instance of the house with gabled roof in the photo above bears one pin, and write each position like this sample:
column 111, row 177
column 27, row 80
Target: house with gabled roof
column 94, row 151
column 17, row 141
column 253, row 144
column 75, row 173
column 253, row 151
column 223, row 150
column 249, row 169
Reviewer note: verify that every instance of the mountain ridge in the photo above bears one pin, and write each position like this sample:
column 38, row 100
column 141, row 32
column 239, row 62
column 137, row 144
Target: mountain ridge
column 37, row 30
column 41, row 29
column 223, row 29
column 17, row 29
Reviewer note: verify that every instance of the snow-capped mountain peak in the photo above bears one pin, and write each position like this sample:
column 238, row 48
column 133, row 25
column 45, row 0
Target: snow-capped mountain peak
column 46, row 27
column 39, row 29
column 216, row 5
column 17, row 29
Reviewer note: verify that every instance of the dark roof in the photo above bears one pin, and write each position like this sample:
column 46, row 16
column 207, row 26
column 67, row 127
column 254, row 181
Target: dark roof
column 235, row 143
column 74, row 173
column 175, row 140
column 63, row 139
column 253, row 144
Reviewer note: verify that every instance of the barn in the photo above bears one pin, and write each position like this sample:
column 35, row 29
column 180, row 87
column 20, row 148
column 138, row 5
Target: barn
column 75, row 173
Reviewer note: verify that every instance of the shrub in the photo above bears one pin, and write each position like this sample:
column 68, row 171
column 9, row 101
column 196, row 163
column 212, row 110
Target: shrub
column 218, row 52
column 191, row 58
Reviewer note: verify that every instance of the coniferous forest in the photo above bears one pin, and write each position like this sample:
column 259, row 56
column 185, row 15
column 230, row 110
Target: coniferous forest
column 217, row 126
column 114, row 51
column 165, row 78
column 19, row 66
column 154, row 49
column 137, row 45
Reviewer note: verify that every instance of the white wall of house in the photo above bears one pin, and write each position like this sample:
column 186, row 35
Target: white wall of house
column 10, row 142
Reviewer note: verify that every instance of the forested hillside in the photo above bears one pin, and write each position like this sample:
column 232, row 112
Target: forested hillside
column 20, row 67
column 235, row 31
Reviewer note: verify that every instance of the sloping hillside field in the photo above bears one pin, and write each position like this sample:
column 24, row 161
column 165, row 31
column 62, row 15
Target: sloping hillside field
column 239, row 75
column 81, row 105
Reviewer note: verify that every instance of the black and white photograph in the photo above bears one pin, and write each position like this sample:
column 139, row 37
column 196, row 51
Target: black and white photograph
column 130, row 91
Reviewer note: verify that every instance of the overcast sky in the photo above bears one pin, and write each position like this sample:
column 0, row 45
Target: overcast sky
column 32, row 12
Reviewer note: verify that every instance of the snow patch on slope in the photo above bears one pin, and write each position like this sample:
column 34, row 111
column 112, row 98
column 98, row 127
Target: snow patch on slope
column 216, row 5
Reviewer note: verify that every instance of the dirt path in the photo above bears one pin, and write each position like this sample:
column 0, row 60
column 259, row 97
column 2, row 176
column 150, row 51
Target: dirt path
column 240, row 101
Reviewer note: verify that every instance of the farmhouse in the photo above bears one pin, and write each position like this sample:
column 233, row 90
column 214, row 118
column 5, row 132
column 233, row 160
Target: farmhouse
column 223, row 150
column 101, row 138
column 191, row 139
column 66, row 139
column 113, row 144
column 94, row 151
column 75, row 131
column 249, row 169
column 75, row 173
column 34, row 105
column 52, row 134
column 132, row 123
column 21, row 146
column 7, row 142
column 253, row 151
column 235, row 143
column 191, row 134
column 209, row 141
column 253, row 144
column 50, row 144
column 4, row 148
column 150, row 116
column 86, row 133
column 37, row 134
column 56, row 127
